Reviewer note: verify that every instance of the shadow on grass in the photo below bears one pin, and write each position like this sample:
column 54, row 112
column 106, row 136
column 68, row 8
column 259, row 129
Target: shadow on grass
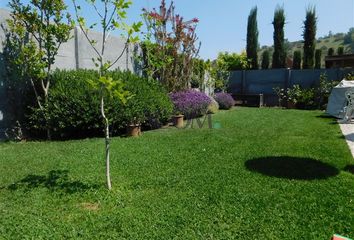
column 292, row 168
column 349, row 168
column 324, row 115
column 348, row 137
column 56, row 180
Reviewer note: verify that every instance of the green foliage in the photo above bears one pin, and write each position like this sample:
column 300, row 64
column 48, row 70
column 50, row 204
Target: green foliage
column 318, row 58
column 309, row 34
column 330, row 52
column 199, row 70
column 340, row 50
column 265, row 59
column 307, row 98
column 221, row 67
column 297, row 60
column 192, row 183
column 170, row 46
column 324, row 90
column 233, row 61
column 213, row 106
column 36, row 31
column 349, row 76
column 279, row 54
column 252, row 39
column 73, row 107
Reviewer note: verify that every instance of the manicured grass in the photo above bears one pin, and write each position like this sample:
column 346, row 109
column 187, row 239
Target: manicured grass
column 229, row 183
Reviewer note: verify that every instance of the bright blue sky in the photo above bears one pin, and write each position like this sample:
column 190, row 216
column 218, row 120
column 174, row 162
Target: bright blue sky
column 223, row 23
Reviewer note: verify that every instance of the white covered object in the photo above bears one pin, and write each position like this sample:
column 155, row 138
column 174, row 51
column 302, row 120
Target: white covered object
column 337, row 100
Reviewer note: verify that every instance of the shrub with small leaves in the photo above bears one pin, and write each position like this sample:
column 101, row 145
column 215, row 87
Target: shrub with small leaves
column 190, row 103
column 224, row 100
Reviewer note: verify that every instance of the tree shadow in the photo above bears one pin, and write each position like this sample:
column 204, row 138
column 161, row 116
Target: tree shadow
column 292, row 168
column 349, row 168
column 56, row 180
column 326, row 116
column 348, row 137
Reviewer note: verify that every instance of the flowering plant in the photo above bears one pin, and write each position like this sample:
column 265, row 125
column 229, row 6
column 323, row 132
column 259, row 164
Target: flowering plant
column 170, row 47
column 224, row 100
column 190, row 103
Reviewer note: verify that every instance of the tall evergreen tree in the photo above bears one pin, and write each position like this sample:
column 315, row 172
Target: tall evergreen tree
column 265, row 59
column 318, row 56
column 252, row 38
column 309, row 34
column 297, row 60
column 340, row 50
column 279, row 54
column 330, row 52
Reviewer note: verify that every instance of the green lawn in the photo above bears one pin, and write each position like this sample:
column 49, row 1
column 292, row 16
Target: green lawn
column 265, row 174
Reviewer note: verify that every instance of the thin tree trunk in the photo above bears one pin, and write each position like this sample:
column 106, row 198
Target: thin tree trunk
column 107, row 145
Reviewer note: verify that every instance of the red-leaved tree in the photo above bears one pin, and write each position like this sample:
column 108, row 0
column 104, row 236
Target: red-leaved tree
column 169, row 47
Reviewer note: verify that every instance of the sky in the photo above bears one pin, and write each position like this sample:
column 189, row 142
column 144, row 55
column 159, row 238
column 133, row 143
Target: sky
column 223, row 23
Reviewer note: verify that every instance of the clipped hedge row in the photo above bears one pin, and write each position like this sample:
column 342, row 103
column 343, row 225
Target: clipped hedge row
column 74, row 108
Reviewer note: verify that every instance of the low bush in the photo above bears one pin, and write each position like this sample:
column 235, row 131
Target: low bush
column 190, row 103
column 213, row 106
column 74, row 108
column 224, row 100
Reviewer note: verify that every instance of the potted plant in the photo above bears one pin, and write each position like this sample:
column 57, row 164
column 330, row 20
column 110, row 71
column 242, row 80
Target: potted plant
column 292, row 95
column 178, row 120
column 135, row 117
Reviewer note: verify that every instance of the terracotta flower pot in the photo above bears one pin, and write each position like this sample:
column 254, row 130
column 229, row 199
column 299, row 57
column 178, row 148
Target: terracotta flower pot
column 178, row 121
column 133, row 130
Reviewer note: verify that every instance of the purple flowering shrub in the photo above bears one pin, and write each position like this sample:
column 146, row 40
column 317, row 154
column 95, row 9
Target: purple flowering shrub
column 190, row 103
column 225, row 100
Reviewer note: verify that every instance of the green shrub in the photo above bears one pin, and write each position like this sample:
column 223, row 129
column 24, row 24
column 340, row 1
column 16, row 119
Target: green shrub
column 213, row 106
column 74, row 108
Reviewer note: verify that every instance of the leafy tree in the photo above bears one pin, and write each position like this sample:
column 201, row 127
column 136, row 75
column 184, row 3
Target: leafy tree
column 309, row 34
column 252, row 39
column 37, row 31
column 349, row 37
column 318, row 56
column 112, row 17
column 265, row 59
column 297, row 60
column 340, row 50
column 233, row 61
column 279, row 54
column 330, row 52
column 170, row 47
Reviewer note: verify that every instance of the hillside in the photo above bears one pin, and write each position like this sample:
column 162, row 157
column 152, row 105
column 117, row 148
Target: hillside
column 324, row 43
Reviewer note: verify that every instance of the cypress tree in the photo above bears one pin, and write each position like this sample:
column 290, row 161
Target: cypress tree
column 297, row 60
column 252, row 38
column 318, row 56
column 309, row 34
column 265, row 59
column 330, row 52
column 279, row 55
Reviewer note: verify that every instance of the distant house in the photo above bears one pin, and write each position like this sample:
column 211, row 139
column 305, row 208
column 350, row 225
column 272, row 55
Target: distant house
column 340, row 61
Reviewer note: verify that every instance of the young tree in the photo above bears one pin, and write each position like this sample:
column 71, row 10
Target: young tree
column 309, row 34
column 318, row 56
column 38, row 30
column 265, row 59
column 279, row 54
column 252, row 39
column 297, row 60
column 112, row 17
